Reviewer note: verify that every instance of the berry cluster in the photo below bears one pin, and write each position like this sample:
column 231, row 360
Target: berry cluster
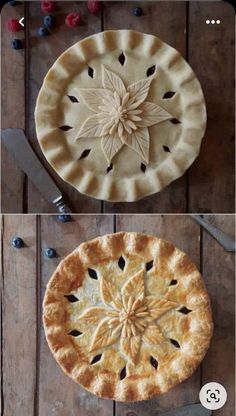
column 48, row 20
column 72, row 19
column 48, row 7
column 13, row 25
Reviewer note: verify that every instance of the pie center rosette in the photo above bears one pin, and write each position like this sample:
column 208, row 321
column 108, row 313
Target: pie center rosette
column 127, row 316
column 124, row 116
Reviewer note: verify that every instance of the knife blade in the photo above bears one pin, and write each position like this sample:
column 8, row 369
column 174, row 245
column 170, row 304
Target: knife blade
column 224, row 239
column 18, row 146
column 190, row 410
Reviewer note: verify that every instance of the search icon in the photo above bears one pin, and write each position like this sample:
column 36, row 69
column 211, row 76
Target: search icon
column 213, row 396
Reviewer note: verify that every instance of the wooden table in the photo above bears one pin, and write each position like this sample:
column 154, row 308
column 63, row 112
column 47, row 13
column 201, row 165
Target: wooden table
column 33, row 384
column 208, row 186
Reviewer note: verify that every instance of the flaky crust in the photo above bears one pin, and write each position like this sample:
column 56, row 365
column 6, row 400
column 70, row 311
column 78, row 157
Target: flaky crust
column 134, row 266
column 173, row 146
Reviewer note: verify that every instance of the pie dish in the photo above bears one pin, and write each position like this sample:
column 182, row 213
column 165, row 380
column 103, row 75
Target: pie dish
column 120, row 115
column 127, row 316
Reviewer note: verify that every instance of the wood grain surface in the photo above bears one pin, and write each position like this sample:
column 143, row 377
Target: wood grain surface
column 33, row 384
column 12, row 111
column 211, row 60
column 219, row 269
column 19, row 300
column 208, row 185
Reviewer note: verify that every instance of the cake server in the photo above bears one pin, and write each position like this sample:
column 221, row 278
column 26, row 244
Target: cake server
column 224, row 239
column 18, row 146
column 190, row 410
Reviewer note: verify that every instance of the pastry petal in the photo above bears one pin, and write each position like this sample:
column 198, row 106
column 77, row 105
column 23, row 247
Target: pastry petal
column 93, row 315
column 139, row 90
column 153, row 335
column 158, row 307
column 105, row 335
column 93, row 97
column 134, row 287
column 110, row 146
column 90, row 128
column 110, row 294
column 113, row 82
column 138, row 140
column 152, row 114
column 131, row 347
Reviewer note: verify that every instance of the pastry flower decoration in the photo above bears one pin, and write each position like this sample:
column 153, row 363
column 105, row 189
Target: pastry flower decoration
column 122, row 115
column 128, row 315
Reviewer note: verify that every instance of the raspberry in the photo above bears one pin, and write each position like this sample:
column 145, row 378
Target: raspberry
column 94, row 6
column 48, row 6
column 13, row 25
column 73, row 19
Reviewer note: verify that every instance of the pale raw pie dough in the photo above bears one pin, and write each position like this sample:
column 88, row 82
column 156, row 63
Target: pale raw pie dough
column 127, row 316
column 120, row 115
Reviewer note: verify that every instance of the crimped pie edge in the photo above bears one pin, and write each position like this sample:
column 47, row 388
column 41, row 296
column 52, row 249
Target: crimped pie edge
column 126, row 189
column 105, row 386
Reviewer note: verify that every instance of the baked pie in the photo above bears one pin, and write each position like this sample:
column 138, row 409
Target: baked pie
column 120, row 115
column 127, row 316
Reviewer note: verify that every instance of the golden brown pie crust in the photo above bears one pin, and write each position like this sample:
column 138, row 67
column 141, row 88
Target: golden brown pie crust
column 152, row 324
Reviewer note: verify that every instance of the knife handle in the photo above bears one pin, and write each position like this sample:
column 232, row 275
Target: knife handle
column 61, row 206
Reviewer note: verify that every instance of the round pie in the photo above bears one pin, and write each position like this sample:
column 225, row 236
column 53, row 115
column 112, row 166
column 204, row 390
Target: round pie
column 120, row 115
column 127, row 316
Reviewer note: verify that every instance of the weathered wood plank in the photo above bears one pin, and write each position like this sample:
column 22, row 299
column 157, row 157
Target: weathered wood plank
column 182, row 231
column 43, row 53
column 19, row 316
column 211, row 54
column 218, row 271
column 58, row 394
column 12, row 109
column 167, row 21
column 1, row 318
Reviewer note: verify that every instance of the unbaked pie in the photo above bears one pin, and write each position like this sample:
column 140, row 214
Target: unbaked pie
column 120, row 115
column 127, row 316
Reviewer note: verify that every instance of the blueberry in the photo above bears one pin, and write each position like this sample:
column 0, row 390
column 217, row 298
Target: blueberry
column 137, row 11
column 48, row 21
column 17, row 242
column 64, row 217
column 50, row 253
column 16, row 44
column 42, row 31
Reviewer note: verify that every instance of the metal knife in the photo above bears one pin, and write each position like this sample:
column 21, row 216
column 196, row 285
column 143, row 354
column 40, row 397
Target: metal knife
column 191, row 410
column 224, row 239
column 18, row 146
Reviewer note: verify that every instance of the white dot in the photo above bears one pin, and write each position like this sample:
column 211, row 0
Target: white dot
column 207, row 22
column 213, row 22
column 218, row 22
